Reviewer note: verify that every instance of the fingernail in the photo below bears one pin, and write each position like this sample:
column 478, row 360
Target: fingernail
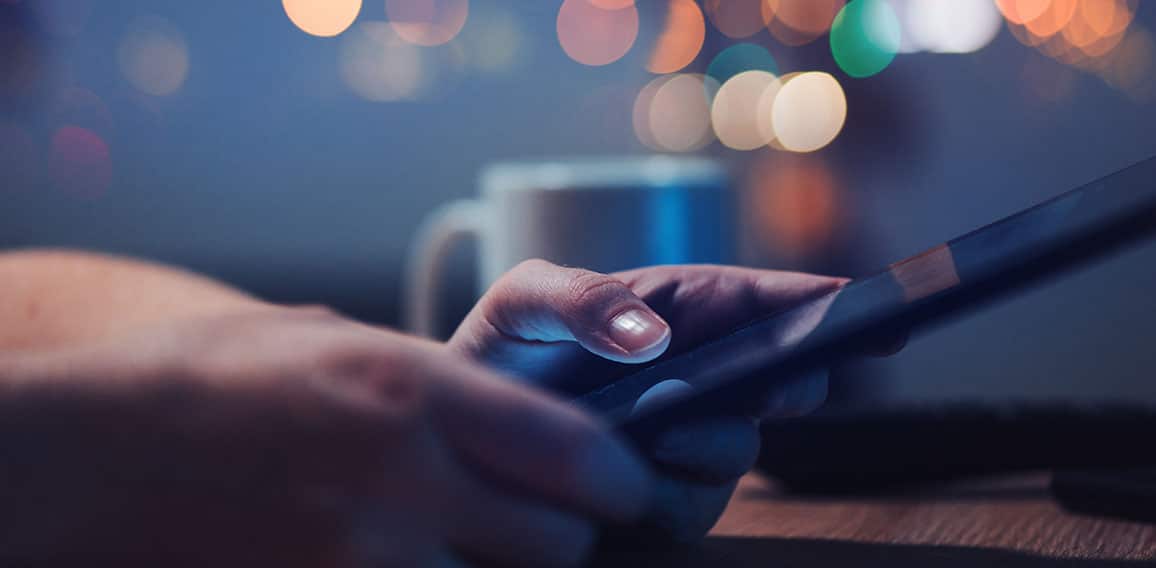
column 616, row 480
column 638, row 331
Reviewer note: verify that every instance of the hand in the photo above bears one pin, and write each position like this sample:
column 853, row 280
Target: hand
column 294, row 438
column 573, row 330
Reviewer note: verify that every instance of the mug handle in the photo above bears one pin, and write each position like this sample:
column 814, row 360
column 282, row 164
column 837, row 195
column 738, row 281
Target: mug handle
column 424, row 269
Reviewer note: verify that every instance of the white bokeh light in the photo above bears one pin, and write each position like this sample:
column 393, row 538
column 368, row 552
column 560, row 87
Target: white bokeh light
column 809, row 111
column 154, row 57
column 959, row 26
column 378, row 65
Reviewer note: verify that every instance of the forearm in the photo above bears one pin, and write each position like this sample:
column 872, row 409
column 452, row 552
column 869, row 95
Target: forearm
column 50, row 298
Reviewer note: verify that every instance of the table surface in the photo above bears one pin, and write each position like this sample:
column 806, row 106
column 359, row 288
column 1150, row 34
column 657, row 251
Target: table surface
column 1006, row 522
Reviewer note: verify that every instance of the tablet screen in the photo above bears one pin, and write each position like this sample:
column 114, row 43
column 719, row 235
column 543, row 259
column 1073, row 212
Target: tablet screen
column 737, row 370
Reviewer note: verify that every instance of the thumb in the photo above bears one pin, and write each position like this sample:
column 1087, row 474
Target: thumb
column 541, row 302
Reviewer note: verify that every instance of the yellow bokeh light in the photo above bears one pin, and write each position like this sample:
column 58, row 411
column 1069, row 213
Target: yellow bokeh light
column 427, row 22
column 377, row 65
column 809, row 112
column 641, row 114
column 324, row 18
column 737, row 18
column 735, row 112
column 681, row 39
column 595, row 36
column 679, row 114
column 154, row 57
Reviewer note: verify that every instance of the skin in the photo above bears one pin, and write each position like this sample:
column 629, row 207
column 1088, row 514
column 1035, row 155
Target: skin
column 153, row 416
column 552, row 326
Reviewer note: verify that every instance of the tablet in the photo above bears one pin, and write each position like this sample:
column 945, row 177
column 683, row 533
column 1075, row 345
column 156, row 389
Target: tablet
column 733, row 374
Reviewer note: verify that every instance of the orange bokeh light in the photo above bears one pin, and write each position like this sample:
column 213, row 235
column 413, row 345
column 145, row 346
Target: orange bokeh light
column 612, row 4
column 1055, row 16
column 796, row 203
column 681, row 40
column 737, row 18
column 324, row 18
column 427, row 22
column 595, row 36
column 1022, row 11
column 796, row 22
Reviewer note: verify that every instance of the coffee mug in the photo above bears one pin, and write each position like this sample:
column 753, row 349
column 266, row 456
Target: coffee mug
column 601, row 214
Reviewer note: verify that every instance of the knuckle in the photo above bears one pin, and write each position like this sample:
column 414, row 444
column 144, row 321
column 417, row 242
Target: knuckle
column 589, row 289
column 532, row 265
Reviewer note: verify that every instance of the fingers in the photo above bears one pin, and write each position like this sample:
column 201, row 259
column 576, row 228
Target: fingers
column 712, row 451
column 536, row 444
column 686, row 511
column 539, row 301
column 502, row 530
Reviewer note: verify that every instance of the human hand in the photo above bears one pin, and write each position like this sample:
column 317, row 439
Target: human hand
column 574, row 330
column 294, row 438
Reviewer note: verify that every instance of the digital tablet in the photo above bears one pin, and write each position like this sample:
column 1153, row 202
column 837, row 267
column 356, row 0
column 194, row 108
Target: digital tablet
column 733, row 374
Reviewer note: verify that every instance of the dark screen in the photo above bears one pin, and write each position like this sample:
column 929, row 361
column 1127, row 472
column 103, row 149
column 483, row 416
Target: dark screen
column 733, row 373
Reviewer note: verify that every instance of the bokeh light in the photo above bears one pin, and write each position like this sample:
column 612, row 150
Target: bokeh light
column 641, row 113
column 739, row 58
column 1022, row 11
column 865, row 37
column 80, row 162
column 737, row 18
column 796, row 202
column 324, row 18
column 1055, row 16
column 154, row 57
column 592, row 35
column 681, row 38
column 736, row 114
column 427, row 22
column 494, row 41
column 612, row 4
column 809, row 111
column 377, row 65
column 679, row 115
column 1132, row 67
column 959, row 26
column 798, row 22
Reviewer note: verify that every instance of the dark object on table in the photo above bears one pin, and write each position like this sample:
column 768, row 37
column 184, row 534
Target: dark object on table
column 887, row 448
column 1127, row 493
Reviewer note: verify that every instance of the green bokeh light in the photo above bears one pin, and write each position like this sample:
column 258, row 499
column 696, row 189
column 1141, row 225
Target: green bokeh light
column 865, row 37
column 739, row 58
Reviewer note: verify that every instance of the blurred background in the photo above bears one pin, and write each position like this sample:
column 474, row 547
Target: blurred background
column 292, row 147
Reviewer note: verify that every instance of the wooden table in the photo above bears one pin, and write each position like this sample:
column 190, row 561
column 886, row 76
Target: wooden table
column 1008, row 522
